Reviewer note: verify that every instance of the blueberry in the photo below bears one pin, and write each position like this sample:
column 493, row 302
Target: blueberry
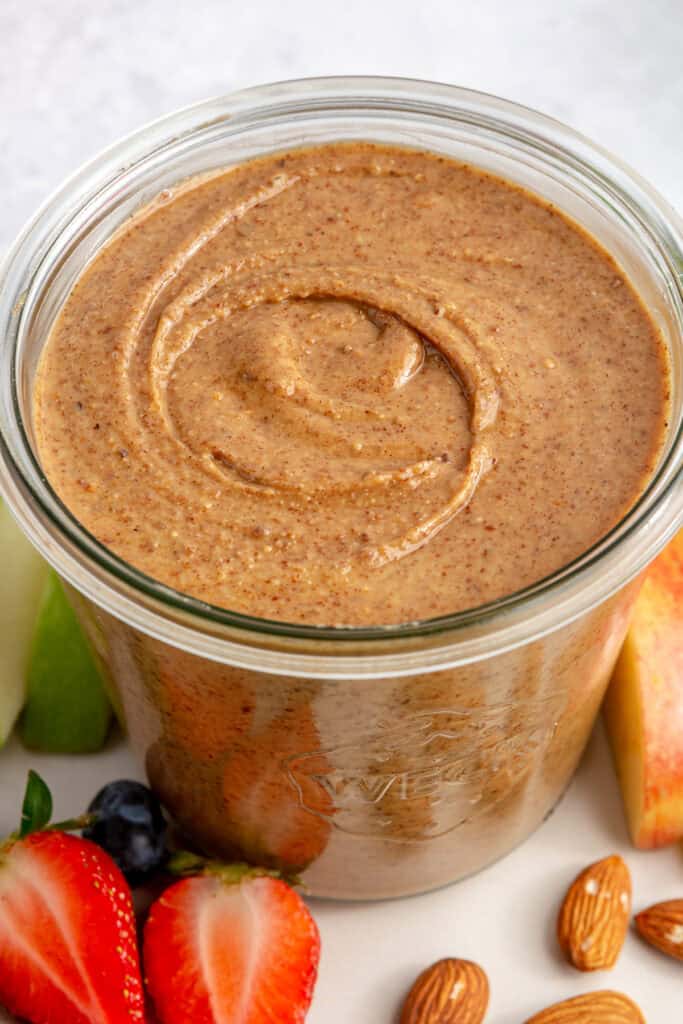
column 129, row 824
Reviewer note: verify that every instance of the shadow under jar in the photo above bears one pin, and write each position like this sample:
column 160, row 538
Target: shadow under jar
column 375, row 761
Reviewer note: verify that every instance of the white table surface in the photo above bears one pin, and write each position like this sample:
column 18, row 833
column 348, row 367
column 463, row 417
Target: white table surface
column 504, row 917
column 77, row 74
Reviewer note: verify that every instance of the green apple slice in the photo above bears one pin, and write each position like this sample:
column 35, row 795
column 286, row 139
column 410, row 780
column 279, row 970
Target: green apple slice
column 22, row 580
column 67, row 709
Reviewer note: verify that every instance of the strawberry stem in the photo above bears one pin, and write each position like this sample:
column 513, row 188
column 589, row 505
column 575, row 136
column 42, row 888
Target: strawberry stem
column 233, row 873
column 73, row 824
column 186, row 864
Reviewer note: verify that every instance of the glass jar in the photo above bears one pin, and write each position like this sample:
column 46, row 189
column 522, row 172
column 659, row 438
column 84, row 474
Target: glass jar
column 382, row 761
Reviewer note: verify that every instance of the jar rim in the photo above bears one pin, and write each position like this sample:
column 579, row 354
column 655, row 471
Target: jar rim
column 250, row 641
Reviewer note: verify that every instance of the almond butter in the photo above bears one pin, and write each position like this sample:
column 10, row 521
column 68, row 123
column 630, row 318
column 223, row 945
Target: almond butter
column 662, row 926
column 593, row 920
column 449, row 992
column 592, row 1008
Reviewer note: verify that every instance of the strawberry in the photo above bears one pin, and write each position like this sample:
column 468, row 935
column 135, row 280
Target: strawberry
column 68, row 946
column 231, row 946
column 275, row 809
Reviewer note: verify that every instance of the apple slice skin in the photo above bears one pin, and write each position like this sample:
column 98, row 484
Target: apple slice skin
column 67, row 709
column 21, row 583
column 644, row 706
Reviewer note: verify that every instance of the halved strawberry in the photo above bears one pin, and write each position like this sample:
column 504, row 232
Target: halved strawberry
column 275, row 814
column 231, row 946
column 68, row 946
column 68, row 949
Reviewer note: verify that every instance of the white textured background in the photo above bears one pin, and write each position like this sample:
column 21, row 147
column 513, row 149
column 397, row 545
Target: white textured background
column 75, row 75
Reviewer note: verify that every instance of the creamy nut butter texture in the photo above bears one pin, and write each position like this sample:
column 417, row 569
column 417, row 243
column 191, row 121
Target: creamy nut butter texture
column 353, row 384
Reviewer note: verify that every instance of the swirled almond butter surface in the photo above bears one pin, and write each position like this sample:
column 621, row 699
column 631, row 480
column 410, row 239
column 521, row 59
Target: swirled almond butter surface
column 350, row 385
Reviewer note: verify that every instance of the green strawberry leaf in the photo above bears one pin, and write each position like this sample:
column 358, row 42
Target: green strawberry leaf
column 36, row 810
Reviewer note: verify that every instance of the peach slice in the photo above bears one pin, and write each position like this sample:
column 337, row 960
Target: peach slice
column 644, row 706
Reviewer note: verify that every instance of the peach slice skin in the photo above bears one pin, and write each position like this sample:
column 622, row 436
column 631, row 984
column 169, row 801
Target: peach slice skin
column 643, row 709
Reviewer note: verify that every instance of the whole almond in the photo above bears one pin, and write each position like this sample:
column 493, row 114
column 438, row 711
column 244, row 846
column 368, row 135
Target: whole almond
column 593, row 920
column 591, row 1008
column 662, row 926
column 449, row 992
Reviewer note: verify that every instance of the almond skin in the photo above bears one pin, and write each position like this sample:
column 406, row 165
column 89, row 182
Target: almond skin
column 662, row 926
column 449, row 992
column 594, row 917
column 592, row 1008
